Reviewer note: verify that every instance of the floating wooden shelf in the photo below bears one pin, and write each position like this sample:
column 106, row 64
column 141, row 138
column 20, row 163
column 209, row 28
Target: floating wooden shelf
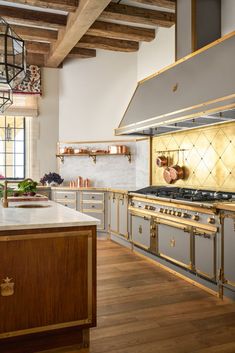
column 92, row 155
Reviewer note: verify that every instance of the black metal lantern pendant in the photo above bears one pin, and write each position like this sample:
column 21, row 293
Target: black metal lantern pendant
column 12, row 56
column 5, row 99
column 12, row 63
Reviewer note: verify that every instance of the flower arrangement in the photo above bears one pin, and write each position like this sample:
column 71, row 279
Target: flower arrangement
column 51, row 179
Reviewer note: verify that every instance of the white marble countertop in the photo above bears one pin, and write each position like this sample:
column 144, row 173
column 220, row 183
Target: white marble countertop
column 55, row 215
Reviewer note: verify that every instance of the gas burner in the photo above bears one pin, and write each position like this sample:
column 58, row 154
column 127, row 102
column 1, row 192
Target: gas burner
column 185, row 194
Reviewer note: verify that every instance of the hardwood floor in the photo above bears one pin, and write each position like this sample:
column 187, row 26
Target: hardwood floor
column 143, row 308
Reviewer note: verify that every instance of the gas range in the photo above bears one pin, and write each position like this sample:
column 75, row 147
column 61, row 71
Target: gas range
column 185, row 194
column 195, row 208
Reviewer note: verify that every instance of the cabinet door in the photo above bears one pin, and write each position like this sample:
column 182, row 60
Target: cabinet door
column 140, row 231
column 174, row 244
column 113, row 213
column 229, row 250
column 50, row 282
column 122, row 215
column 205, row 254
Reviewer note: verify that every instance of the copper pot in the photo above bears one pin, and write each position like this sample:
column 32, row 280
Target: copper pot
column 162, row 161
column 167, row 175
column 176, row 172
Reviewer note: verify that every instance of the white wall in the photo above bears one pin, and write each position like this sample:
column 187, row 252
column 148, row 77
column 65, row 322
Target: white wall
column 48, row 122
column 157, row 54
column 228, row 16
column 94, row 94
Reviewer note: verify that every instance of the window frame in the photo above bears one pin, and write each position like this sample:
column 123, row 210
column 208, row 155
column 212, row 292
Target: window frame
column 14, row 153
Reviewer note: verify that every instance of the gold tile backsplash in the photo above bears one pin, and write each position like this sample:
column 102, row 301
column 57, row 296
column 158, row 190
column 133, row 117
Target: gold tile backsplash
column 208, row 157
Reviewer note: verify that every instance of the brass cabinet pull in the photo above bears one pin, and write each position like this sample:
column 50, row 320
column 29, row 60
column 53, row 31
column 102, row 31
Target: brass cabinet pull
column 7, row 287
column 172, row 243
column 140, row 230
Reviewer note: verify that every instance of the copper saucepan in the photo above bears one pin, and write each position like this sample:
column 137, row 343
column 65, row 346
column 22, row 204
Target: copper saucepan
column 172, row 174
column 162, row 161
column 176, row 172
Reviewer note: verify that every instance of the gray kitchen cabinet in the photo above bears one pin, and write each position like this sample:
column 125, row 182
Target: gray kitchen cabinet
column 93, row 204
column 123, row 215
column 205, row 253
column 229, row 249
column 113, row 212
column 174, row 243
column 140, row 231
column 118, row 214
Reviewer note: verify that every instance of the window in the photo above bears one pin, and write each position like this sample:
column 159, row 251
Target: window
column 12, row 147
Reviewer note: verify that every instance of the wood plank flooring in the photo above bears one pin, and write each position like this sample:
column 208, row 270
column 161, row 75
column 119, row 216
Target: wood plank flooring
column 144, row 309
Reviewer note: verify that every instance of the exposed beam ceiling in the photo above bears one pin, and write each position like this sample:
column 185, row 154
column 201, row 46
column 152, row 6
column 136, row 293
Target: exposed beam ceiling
column 64, row 5
column 37, row 18
column 107, row 44
column 167, row 4
column 119, row 31
column 78, row 24
column 138, row 15
column 37, row 34
column 85, row 25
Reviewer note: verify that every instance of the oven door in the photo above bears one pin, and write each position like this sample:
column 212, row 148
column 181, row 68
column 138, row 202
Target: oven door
column 205, row 253
column 175, row 242
column 140, row 231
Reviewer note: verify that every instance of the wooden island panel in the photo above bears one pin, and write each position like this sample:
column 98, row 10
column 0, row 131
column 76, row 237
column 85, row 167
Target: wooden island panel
column 54, row 276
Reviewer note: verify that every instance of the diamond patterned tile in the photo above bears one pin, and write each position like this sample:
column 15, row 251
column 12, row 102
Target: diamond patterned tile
column 209, row 156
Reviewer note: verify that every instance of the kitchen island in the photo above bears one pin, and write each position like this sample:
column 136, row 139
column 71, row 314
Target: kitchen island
column 48, row 277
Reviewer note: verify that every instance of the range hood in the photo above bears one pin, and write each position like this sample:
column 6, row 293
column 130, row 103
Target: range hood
column 197, row 90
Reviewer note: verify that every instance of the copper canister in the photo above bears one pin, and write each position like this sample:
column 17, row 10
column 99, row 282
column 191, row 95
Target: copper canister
column 87, row 183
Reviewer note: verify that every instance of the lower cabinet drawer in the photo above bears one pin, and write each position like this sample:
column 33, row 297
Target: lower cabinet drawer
column 64, row 195
column 92, row 206
column 71, row 205
column 140, row 231
column 89, row 196
column 98, row 215
column 174, row 244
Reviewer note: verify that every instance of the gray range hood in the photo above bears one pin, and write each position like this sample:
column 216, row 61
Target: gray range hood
column 197, row 90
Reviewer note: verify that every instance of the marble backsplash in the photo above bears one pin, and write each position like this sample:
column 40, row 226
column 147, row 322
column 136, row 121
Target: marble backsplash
column 109, row 171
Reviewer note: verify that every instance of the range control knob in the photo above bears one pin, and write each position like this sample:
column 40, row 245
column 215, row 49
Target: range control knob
column 195, row 217
column 171, row 212
column 178, row 214
column 165, row 211
column 185, row 215
column 161, row 210
column 211, row 220
column 152, row 208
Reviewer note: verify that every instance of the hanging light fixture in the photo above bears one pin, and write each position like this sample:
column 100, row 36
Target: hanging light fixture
column 5, row 99
column 12, row 63
column 12, row 56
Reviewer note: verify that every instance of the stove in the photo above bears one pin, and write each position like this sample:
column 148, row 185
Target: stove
column 185, row 194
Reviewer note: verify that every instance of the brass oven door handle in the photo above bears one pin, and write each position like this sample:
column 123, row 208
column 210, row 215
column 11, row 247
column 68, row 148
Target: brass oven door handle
column 140, row 230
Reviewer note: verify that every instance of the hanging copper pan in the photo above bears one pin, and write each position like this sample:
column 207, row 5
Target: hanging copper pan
column 167, row 175
column 162, row 161
column 176, row 172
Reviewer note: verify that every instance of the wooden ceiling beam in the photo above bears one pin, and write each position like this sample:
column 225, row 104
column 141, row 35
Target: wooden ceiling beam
column 118, row 31
column 78, row 24
column 82, row 53
column 37, row 34
column 139, row 15
column 36, row 59
column 107, row 44
column 44, row 48
column 167, row 4
column 38, row 18
column 63, row 5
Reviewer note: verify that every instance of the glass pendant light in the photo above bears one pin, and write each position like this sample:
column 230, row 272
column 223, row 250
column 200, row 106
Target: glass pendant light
column 5, row 99
column 12, row 56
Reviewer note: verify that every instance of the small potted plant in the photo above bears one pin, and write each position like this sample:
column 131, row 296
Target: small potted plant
column 51, row 179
